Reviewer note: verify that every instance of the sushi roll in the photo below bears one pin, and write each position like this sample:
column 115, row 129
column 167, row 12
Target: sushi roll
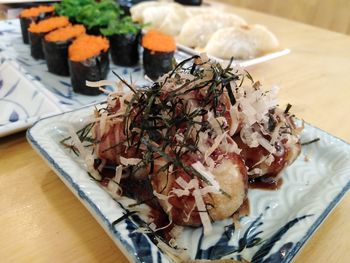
column 124, row 37
column 38, row 30
column 158, row 53
column 55, row 45
column 33, row 14
column 125, row 49
column 88, row 60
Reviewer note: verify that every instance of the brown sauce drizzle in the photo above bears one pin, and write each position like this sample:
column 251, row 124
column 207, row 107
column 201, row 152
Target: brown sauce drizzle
column 244, row 209
column 141, row 191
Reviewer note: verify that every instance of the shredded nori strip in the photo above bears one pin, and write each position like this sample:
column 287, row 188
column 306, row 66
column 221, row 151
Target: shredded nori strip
column 310, row 142
column 287, row 108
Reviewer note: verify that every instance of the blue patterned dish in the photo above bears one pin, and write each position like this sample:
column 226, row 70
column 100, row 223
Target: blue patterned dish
column 21, row 102
column 279, row 222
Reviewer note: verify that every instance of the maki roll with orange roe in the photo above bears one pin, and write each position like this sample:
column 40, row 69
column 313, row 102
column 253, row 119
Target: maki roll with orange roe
column 158, row 53
column 33, row 14
column 55, row 45
column 38, row 30
column 88, row 60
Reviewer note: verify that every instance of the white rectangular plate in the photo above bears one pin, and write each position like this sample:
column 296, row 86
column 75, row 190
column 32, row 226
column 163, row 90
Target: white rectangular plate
column 279, row 222
column 21, row 101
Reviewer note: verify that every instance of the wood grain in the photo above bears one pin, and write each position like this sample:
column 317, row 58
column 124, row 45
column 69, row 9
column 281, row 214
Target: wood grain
column 42, row 221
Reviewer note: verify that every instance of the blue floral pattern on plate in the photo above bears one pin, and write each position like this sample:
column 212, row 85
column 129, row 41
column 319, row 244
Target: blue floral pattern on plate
column 21, row 102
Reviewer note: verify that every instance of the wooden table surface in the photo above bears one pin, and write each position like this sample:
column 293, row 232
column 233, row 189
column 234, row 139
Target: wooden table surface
column 42, row 221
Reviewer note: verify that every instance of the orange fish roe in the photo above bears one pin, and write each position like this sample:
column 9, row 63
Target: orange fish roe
column 87, row 46
column 49, row 24
column 36, row 11
column 65, row 33
column 157, row 41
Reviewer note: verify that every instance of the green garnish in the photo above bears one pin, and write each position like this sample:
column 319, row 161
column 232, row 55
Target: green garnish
column 99, row 14
column 105, row 14
column 71, row 8
column 123, row 26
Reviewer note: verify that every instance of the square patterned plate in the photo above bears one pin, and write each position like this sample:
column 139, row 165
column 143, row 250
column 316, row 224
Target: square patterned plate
column 21, row 101
column 279, row 222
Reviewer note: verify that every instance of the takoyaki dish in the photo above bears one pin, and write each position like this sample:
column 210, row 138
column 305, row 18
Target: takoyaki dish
column 189, row 144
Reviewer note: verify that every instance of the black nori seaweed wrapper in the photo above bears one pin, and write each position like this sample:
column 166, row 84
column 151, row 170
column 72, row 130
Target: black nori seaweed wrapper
column 125, row 5
column 157, row 63
column 25, row 22
column 73, row 20
column 125, row 49
column 36, row 47
column 95, row 31
column 56, row 55
column 92, row 69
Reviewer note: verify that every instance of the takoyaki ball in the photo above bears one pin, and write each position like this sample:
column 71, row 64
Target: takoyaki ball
column 260, row 164
column 111, row 147
column 231, row 175
column 109, row 141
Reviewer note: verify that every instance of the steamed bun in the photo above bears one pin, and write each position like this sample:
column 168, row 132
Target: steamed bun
column 165, row 17
column 197, row 30
column 243, row 42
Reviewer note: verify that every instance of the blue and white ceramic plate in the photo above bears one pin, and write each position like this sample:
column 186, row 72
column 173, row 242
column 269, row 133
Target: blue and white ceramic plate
column 21, row 101
column 279, row 222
